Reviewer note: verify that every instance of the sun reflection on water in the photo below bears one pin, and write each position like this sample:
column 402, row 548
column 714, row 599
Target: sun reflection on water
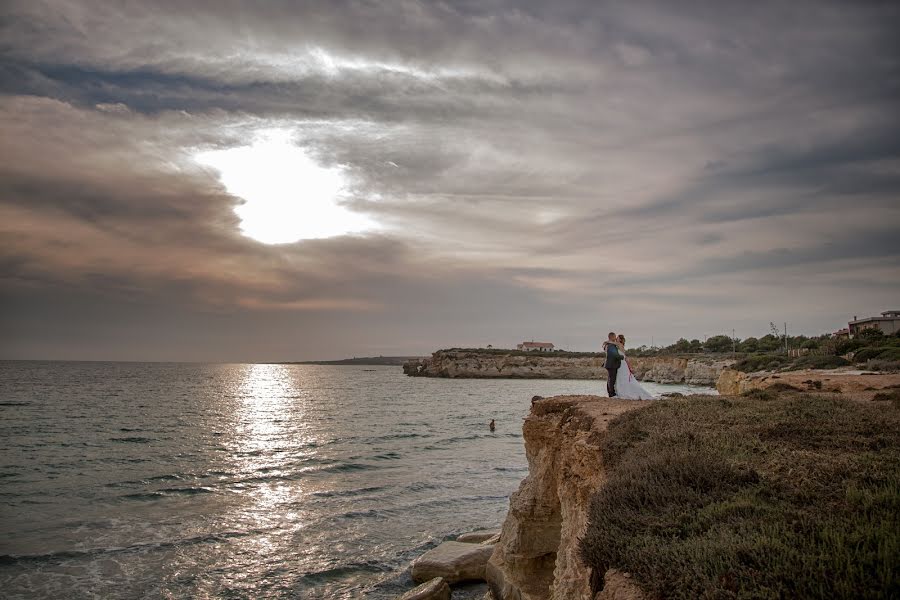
column 268, row 446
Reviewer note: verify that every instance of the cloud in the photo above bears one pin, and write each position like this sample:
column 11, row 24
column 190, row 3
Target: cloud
column 535, row 170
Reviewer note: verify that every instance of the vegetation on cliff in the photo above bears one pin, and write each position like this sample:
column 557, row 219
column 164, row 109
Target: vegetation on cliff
column 793, row 496
column 533, row 353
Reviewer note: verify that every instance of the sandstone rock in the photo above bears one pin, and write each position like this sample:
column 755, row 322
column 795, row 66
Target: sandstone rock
column 835, row 381
column 537, row 555
column 476, row 537
column 454, row 561
column 471, row 364
column 492, row 540
column 434, row 589
column 731, row 382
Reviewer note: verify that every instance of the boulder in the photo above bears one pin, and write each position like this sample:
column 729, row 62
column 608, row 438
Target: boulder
column 476, row 537
column 433, row 589
column 454, row 561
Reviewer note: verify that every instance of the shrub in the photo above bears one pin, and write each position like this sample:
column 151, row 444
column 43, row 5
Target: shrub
column 893, row 395
column 759, row 362
column 782, row 387
column 760, row 394
column 879, row 352
column 794, row 497
column 890, row 354
column 817, row 362
column 865, row 354
column 871, row 333
column 883, row 365
column 846, row 346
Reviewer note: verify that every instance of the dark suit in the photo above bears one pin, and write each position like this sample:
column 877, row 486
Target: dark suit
column 612, row 364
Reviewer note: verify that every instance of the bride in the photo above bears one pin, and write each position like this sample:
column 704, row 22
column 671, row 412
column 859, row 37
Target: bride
column 627, row 385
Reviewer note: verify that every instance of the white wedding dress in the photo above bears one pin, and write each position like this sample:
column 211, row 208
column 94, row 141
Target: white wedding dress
column 628, row 387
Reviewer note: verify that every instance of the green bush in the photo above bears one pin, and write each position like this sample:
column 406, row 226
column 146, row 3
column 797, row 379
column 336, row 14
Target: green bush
column 861, row 356
column 792, row 497
column 892, row 354
column 812, row 361
column 760, row 362
column 846, row 346
column 760, row 394
column 883, row 365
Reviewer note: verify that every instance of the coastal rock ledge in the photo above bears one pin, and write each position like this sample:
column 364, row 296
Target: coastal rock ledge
column 472, row 364
column 536, row 557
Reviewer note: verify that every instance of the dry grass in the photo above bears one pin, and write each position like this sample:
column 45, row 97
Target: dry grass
column 793, row 496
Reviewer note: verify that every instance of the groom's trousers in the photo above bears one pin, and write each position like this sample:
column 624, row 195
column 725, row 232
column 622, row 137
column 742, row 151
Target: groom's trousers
column 611, row 382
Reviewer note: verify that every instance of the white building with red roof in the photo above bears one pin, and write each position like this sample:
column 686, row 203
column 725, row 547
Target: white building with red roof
column 532, row 345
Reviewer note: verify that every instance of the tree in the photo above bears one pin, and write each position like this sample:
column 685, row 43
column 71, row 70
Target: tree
column 769, row 343
column 718, row 343
column 682, row 346
column 751, row 344
column 871, row 333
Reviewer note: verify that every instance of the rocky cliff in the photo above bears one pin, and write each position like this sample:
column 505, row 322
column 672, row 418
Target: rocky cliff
column 472, row 364
column 536, row 557
column 863, row 385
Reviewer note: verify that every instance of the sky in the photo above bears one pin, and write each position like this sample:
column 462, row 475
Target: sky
column 263, row 181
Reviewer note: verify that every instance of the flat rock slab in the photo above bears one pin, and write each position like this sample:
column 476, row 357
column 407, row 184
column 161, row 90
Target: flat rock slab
column 434, row 589
column 454, row 561
column 476, row 537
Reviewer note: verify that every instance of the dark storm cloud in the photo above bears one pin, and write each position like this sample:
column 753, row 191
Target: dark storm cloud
column 537, row 169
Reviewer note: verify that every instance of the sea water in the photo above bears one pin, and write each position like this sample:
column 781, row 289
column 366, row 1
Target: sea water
column 154, row 480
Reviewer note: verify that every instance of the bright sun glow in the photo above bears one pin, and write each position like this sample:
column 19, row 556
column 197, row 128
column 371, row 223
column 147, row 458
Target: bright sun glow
column 287, row 195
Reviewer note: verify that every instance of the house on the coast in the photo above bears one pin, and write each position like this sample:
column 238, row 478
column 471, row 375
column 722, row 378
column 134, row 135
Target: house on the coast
column 841, row 334
column 888, row 323
column 535, row 346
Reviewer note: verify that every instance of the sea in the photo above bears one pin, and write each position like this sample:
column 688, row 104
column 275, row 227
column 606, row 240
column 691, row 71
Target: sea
column 173, row 480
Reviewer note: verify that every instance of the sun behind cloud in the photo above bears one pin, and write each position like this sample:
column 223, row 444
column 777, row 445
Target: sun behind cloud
column 287, row 195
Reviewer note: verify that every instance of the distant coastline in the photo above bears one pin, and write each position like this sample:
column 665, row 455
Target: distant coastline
column 394, row 361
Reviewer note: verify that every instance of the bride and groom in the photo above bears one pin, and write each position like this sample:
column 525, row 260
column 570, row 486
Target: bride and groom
column 621, row 382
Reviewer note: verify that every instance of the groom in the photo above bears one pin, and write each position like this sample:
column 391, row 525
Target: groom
column 612, row 364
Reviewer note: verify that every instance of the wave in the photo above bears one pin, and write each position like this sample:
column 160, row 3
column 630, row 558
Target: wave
column 133, row 440
column 399, row 436
column 512, row 469
column 15, row 403
column 346, row 493
column 189, row 491
column 163, row 493
column 61, row 555
column 345, row 468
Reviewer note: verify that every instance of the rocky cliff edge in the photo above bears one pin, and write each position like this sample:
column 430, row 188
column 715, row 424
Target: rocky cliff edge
column 700, row 370
column 537, row 555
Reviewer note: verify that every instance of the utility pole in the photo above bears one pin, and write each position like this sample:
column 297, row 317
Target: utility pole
column 733, row 343
column 785, row 339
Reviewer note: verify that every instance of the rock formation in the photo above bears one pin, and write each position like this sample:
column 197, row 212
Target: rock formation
column 454, row 561
column 434, row 589
column 841, row 381
column 537, row 555
column 699, row 370
column 477, row 537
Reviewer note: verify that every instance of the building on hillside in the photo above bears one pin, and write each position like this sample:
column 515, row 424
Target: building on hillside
column 533, row 346
column 841, row 334
column 888, row 323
